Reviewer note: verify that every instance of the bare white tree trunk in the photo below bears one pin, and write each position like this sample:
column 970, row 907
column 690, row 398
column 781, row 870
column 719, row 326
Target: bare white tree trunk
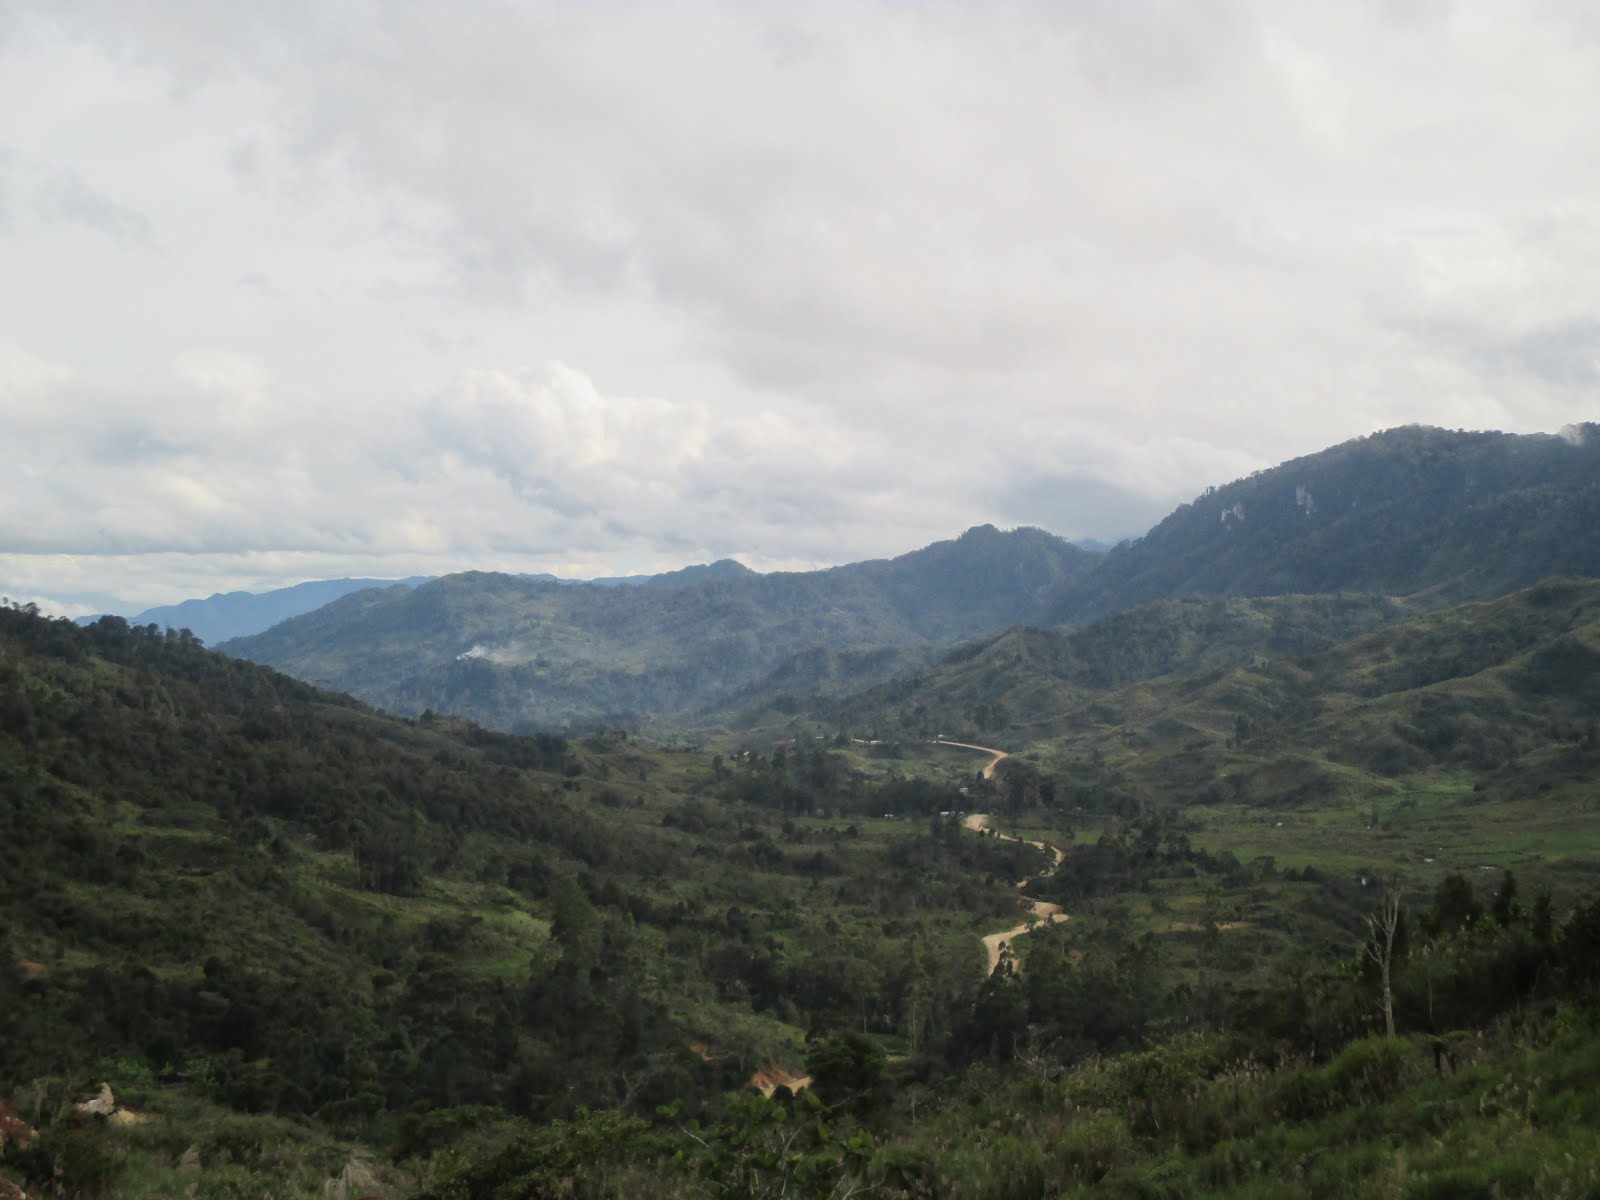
column 1380, row 946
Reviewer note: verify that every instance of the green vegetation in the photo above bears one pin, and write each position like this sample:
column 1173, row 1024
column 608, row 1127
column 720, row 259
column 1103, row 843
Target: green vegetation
column 520, row 653
column 1435, row 513
column 315, row 950
column 280, row 903
column 1019, row 684
column 1429, row 515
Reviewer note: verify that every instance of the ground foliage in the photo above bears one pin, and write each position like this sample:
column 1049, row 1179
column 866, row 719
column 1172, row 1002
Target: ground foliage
column 281, row 923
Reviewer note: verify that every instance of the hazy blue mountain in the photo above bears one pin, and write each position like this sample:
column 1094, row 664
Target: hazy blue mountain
column 523, row 652
column 225, row 615
column 236, row 614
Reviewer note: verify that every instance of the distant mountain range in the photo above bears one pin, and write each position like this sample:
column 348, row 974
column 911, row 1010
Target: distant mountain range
column 225, row 615
column 527, row 653
column 1430, row 516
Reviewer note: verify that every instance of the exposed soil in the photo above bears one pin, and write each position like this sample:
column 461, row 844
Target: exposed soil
column 1040, row 912
column 769, row 1079
column 996, row 757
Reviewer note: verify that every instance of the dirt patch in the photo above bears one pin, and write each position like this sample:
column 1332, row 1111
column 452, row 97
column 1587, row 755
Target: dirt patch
column 29, row 968
column 107, row 1108
column 769, row 1079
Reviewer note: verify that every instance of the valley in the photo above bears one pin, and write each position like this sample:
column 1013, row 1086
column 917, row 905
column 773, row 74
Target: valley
column 886, row 879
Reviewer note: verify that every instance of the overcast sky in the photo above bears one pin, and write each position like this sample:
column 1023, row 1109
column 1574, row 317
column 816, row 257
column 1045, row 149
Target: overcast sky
column 313, row 288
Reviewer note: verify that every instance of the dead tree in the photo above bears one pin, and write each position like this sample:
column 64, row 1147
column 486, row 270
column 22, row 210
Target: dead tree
column 1381, row 926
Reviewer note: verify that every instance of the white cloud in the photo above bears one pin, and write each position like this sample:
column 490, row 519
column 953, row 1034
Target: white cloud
column 827, row 280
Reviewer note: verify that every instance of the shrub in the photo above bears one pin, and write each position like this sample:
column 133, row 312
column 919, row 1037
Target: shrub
column 1368, row 1071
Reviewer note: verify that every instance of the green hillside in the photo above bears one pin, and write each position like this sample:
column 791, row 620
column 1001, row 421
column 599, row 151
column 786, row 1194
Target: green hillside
column 317, row 950
column 279, row 901
column 1024, row 679
column 522, row 653
column 1466, row 515
column 1430, row 517
column 1462, row 739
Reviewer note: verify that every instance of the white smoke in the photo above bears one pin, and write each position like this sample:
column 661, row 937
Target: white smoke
column 501, row 656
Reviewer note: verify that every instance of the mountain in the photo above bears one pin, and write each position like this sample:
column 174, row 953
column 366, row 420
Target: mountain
column 1461, row 515
column 321, row 951
column 522, row 653
column 1431, row 515
column 225, row 615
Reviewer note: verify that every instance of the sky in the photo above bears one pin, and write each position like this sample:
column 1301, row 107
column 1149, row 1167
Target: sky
column 320, row 288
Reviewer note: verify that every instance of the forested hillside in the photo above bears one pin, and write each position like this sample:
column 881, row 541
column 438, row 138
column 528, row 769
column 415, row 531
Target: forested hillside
column 279, row 924
column 239, row 614
column 1022, row 681
column 1463, row 515
column 527, row 654
column 1430, row 516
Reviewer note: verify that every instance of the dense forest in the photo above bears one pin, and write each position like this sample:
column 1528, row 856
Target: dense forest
column 314, row 949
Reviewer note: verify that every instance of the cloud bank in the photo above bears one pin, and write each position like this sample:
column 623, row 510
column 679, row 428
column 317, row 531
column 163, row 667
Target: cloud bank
column 310, row 290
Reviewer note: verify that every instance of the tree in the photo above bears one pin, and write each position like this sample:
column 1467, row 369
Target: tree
column 1382, row 926
column 575, row 926
column 1507, row 908
column 1455, row 907
column 846, row 1067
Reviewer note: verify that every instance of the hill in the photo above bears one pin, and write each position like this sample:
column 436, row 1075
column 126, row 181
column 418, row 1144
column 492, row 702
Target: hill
column 1442, row 742
column 1026, row 678
column 1429, row 515
column 282, row 926
column 1450, row 514
column 285, row 902
column 225, row 615
column 522, row 653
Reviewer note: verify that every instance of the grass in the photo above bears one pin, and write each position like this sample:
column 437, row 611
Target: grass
column 1421, row 834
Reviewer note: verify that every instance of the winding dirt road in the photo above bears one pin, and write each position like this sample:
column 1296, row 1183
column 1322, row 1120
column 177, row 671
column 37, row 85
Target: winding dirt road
column 1040, row 912
column 995, row 756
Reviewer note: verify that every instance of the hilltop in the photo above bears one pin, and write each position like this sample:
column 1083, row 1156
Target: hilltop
column 1435, row 513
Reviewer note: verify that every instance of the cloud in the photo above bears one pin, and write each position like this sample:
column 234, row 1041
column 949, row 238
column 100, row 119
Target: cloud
column 805, row 283
column 65, row 196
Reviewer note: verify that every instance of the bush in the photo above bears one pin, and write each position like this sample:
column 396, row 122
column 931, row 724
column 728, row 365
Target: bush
column 1368, row 1071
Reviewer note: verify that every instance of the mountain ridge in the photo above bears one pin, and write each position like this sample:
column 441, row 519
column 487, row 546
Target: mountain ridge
column 521, row 653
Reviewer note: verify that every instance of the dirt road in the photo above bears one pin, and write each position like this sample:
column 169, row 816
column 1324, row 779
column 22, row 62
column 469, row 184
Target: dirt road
column 995, row 756
column 1040, row 912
